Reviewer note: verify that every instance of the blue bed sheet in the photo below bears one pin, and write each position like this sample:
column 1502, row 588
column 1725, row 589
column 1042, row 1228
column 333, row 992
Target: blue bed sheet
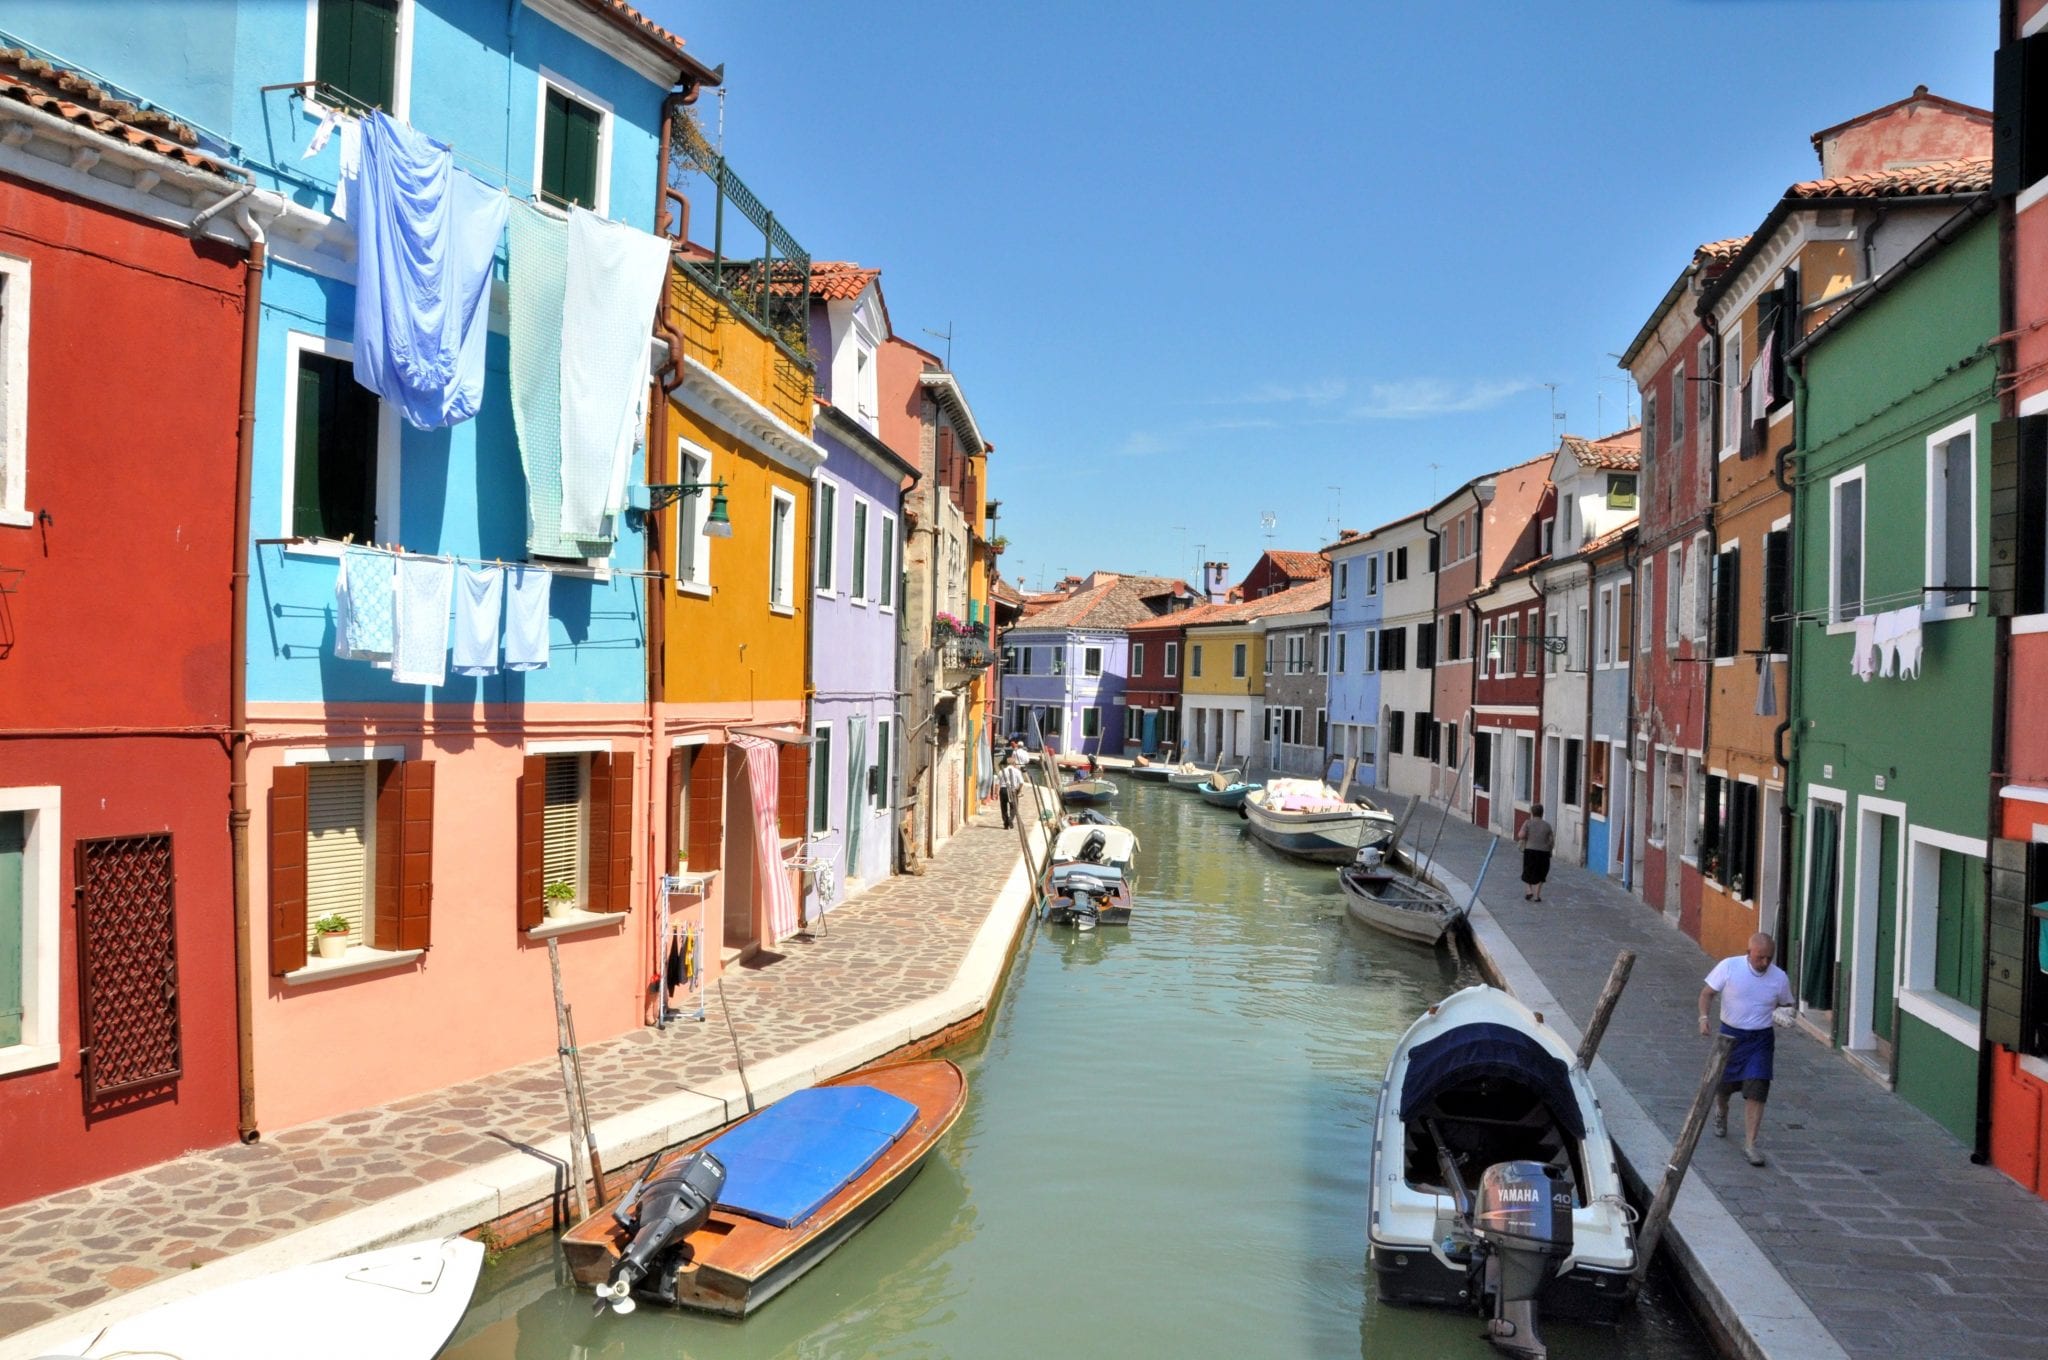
column 784, row 1163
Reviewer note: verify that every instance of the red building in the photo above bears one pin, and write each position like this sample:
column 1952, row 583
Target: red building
column 118, row 1035
column 1280, row 569
column 1152, row 689
column 1507, row 699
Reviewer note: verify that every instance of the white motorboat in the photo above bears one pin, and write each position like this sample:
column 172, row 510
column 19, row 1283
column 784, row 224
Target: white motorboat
column 1307, row 818
column 1091, row 874
column 1187, row 776
column 1494, row 1183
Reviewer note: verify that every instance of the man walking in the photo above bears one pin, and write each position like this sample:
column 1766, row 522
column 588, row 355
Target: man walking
column 1751, row 987
column 1009, row 779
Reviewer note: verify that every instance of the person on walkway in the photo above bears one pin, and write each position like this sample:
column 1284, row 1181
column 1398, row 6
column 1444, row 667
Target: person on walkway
column 1017, row 755
column 1751, row 987
column 1537, row 840
column 1009, row 782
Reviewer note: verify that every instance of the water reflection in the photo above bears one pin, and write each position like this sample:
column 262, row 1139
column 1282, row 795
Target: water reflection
column 1165, row 1153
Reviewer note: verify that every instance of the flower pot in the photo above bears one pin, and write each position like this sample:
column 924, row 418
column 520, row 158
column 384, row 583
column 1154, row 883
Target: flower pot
column 333, row 944
column 558, row 908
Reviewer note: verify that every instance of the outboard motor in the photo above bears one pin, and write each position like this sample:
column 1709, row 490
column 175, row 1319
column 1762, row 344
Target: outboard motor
column 1093, row 847
column 1523, row 1218
column 660, row 1213
column 1085, row 892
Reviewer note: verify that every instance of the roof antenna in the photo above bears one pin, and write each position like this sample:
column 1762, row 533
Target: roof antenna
column 1267, row 519
column 1556, row 416
column 1336, row 510
column 945, row 335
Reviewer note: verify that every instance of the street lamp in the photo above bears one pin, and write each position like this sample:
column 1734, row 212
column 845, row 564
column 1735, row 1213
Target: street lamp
column 646, row 500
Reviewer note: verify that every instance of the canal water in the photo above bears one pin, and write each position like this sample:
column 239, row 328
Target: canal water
column 1165, row 1152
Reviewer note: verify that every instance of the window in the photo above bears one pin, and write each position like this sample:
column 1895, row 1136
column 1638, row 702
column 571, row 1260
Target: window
column 1621, row 491
column 1958, row 903
column 1372, row 574
column 1237, row 661
column 1323, row 728
column 1727, row 626
column 1777, row 592
column 1195, row 661
column 1647, row 596
column 1482, row 761
column 1370, row 662
column 1323, row 653
column 859, row 591
column 1091, row 661
column 1173, row 659
column 1649, row 420
column 339, row 799
column 356, row 51
column 1009, row 661
column 822, row 541
column 1845, row 547
column 1596, row 779
column 1624, row 622
column 31, row 927
column 1510, row 646
column 693, row 544
column 1581, row 640
column 883, row 794
column 1677, row 411
column 1024, row 660
column 1447, row 742
column 1343, row 580
column 1703, row 399
column 1454, row 648
column 1546, row 535
column 1400, row 571
column 1137, row 658
column 1525, row 767
column 1550, row 623
column 1568, row 776
column 1732, row 422
column 1268, row 651
column 1952, row 519
column 885, row 594
column 821, row 779
column 573, row 143
column 341, row 472
column 1435, row 550
column 1296, row 646
column 1091, row 722
column 14, row 314
column 564, row 822
column 1341, row 640
column 1533, row 645
column 1605, row 625
column 1425, row 645
column 1397, row 722
column 1675, row 596
column 1425, row 734
column 781, row 551
column 1059, row 659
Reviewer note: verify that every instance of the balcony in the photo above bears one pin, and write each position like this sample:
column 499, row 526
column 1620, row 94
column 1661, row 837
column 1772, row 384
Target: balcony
column 771, row 286
column 961, row 651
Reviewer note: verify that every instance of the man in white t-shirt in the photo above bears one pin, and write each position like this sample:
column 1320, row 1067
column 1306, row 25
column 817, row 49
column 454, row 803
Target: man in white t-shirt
column 1751, row 988
column 1009, row 780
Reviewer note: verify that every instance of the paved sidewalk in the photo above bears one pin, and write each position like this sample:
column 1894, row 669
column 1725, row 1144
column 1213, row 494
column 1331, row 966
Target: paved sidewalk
column 1871, row 1210
column 902, row 942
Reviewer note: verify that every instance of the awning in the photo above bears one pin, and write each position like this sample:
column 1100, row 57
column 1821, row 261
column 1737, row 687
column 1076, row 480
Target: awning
column 787, row 736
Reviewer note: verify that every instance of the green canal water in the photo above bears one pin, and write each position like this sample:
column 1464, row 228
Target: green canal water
column 1165, row 1152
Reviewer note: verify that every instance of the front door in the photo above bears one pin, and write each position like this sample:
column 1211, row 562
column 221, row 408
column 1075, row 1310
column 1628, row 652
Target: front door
column 1884, row 1000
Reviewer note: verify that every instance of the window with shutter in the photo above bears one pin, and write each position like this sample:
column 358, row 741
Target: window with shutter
column 1624, row 622
column 2019, row 148
column 821, row 779
column 885, row 594
column 564, row 819
column 338, row 840
column 572, row 149
column 1777, row 587
column 707, row 808
column 884, row 793
column 404, row 850
column 823, row 550
column 355, row 53
column 1702, row 582
column 1845, row 532
column 860, row 550
column 334, row 448
column 1728, row 601
column 1951, row 518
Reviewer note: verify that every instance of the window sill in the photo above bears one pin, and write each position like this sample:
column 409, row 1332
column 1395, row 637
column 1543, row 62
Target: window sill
column 28, row 1057
column 832, row 594
column 18, row 519
column 701, row 589
column 360, row 959
column 2029, row 623
column 1944, row 613
column 1834, row 629
column 1951, row 1017
column 2037, row 1068
column 785, row 610
column 575, row 923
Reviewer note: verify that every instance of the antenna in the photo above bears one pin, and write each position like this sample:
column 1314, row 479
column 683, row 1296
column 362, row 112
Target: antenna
column 1628, row 399
column 1267, row 519
column 1336, row 510
column 945, row 335
column 1433, row 469
column 1556, row 416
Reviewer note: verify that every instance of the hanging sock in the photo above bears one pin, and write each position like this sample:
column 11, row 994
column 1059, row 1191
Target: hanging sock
column 426, row 235
column 479, row 606
column 526, row 617
column 425, row 591
column 611, row 289
column 364, row 606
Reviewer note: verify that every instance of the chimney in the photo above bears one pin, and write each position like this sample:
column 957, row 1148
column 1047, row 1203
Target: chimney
column 1216, row 581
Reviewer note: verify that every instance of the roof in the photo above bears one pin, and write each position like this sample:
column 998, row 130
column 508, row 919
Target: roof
column 1351, row 536
column 1727, row 248
column 1301, row 566
column 65, row 94
column 654, row 37
column 1621, row 451
column 1967, row 175
column 1006, row 592
column 1919, row 96
column 1707, row 258
column 830, row 280
column 1607, row 540
column 1109, row 607
column 1294, row 600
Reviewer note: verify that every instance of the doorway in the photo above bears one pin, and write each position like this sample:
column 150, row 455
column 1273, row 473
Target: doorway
column 1873, row 968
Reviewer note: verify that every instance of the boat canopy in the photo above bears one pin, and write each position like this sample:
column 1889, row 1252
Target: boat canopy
column 1481, row 1050
column 784, row 1163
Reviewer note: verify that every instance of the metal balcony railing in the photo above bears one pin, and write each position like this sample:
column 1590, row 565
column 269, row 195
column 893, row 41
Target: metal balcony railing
column 961, row 651
column 773, row 286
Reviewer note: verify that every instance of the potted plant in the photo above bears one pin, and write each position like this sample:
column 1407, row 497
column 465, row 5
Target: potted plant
column 331, row 934
column 560, row 899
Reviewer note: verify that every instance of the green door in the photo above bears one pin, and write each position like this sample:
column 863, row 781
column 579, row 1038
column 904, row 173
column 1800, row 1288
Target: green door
column 13, row 850
column 1883, row 1002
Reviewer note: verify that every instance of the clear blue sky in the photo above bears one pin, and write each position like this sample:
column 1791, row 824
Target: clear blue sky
column 1205, row 260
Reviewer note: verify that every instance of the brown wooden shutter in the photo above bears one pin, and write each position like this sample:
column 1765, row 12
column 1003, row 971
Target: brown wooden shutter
column 597, row 886
column 416, row 863
column 792, row 784
column 678, row 780
column 384, row 911
column 707, row 808
column 288, row 870
column 2005, row 959
column 611, row 833
column 1625, row 622
column 533, row 801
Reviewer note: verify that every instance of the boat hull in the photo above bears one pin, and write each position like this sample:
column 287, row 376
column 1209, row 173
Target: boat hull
column 1411, row 1273
column 1423, row 924
column 1188, row 779
column 1151, row 774
column 1325, row 837
column 1232, row 797
column 1088, row 792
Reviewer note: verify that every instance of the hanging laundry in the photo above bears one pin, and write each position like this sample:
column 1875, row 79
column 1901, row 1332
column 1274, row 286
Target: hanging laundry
column 537, row 273
column 1905, row 642
column 479, row 608
column 1766, row 689
column 426, row 235
column 527, row 590
column 426, row 587
column 613, row 285
column 364, row 595
column 1862, row 661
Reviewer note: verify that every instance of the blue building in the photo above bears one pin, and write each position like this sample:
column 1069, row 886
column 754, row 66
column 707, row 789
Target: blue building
column 1357, row 608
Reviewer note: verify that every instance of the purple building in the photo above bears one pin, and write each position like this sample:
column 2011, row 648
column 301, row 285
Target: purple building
column 1064, row 667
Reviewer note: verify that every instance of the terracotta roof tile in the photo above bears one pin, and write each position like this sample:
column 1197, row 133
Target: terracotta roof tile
column 1618, row 452
column 1300, row 566
column 831, row 280
column 647, row 31
column 1969, row 175
column 1109, row 606
column 1608, row 539
column 70, row 96
column 1724, row 249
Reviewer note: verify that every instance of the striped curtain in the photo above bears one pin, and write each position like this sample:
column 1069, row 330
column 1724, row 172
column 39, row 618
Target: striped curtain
column 856, row 794
column 762, row 783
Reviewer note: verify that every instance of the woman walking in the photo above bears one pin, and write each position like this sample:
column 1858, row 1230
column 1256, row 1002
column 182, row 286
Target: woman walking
column 1537, row 840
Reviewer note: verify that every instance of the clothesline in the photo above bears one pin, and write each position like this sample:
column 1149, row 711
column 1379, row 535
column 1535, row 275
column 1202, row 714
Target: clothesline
column 457, row 560
column 1826, row 613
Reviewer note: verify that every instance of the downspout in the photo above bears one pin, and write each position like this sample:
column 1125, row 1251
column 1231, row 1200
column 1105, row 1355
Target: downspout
column 1592, row 612
column 1436, row 538
column 1630, row 561
column 1784, row 739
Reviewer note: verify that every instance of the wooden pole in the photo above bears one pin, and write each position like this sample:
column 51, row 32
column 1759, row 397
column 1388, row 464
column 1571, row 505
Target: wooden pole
column 1604, row 1010
column 567, row 1050
column 583, row 1108
column 1681, row 1157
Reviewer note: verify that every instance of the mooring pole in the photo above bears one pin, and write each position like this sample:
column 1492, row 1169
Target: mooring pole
column 1681, row 1157
column 567, row 1049
column 1604, row 1010
column 583, row 1108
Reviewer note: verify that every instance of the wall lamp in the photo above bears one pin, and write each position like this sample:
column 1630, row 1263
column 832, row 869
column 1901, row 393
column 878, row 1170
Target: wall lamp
column 643, row 501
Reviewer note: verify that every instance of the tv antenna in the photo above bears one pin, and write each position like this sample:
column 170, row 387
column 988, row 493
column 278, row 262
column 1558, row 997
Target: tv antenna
column 1628, row 393
column 1433, row 469
column 1556, row 416
column 945, row 335
column 1336, row 510
column 1267, row 519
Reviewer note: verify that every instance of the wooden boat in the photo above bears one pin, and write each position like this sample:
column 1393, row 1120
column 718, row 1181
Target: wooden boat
column 1306, row 818
column 1085, row 791
column 396, row 1303
column 1229, row 797
column 1492, row 1167
column 795, row 1180
column 1189, row 775
column 1150, row 773
column 1397, row 903
column 1091, row 874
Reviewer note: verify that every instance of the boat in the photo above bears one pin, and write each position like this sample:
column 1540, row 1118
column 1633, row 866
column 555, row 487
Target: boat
column 1494, row 1183
column 1088, row 791
column 395, row 1303
column 1091, row 873
column 1150, row 773
column 1400, row 904
column 1189, row 775
column 726, row 1223
column 1306, row 818
column 1230, row 796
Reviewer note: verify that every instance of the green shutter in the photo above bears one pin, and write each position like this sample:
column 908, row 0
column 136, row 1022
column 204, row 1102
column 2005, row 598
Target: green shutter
column 356, row 50
column 13, row 925
column 569, row 150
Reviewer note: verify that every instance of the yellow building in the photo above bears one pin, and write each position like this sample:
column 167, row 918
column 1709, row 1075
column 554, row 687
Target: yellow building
column 1223, row 683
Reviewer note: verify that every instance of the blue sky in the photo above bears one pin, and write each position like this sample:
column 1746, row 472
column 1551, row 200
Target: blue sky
column 1205, row 261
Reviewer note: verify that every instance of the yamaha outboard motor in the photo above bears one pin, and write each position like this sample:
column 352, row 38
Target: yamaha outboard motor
column 1523, row 1217
column 1086, row 892
column 660, row 1213
column 1092, row 848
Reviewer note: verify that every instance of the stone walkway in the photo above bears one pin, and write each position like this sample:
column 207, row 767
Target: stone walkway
column 900, row 942
column 1873, row 1212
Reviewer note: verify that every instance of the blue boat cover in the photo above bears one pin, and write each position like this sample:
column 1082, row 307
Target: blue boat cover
column 784, row 1163
column 1481, row 1050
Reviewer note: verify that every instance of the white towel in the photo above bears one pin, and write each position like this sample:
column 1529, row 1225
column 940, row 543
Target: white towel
column 1901, row 642
column 363, row 605
column 526, row 617
column 615, row 275
column 426, row 587
column 1860, row 663
column 479, row 605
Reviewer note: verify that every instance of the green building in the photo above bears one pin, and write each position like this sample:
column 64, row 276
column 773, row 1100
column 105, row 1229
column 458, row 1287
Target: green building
column 1890, row 715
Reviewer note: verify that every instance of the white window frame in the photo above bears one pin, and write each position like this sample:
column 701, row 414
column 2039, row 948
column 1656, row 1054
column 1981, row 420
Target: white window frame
column 693, row 518
column 1137, row 658
column 820, row 820
column 296, row 345
column 1702, row 589
column 14, row 392
column 1240, row 660
column 42, row 927
column 1343, row 658
column 1703, row 404
column 1605, row 623
column 1372, row 573
column 1674, row 595
column 1343, row 580
column 888, row 572
column 1525, row 768
column 822, row 489
column 867, row 344
column 1555, row 661
column 1730, row 393
column 1091, row 662
column 607, row 118
column 1091, row 715
column 1836, row 623
column 859, row 516
column 1369, row 661
column 1919, row 928
column 782, row 559
column 401, row 64
column 1937, row 535
column 1172, row 659
column 1646, row 592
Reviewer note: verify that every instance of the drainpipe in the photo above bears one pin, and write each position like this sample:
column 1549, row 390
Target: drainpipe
column 1784, row 738
column 1592, row 612
column 1631, row 559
